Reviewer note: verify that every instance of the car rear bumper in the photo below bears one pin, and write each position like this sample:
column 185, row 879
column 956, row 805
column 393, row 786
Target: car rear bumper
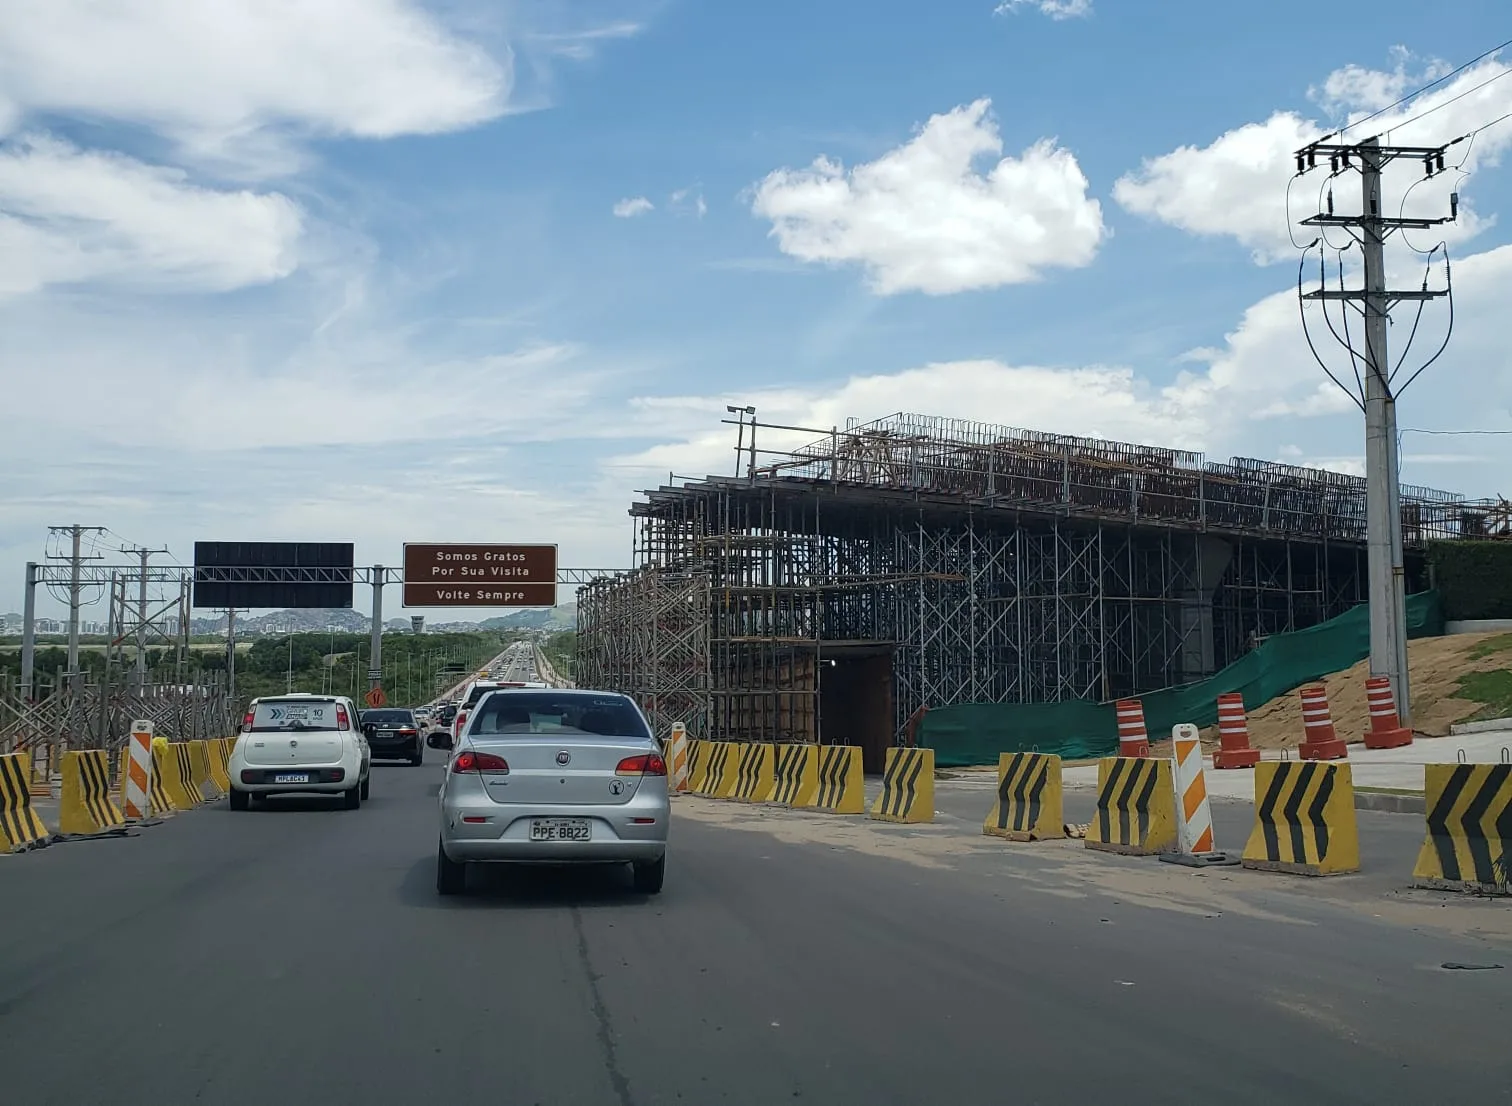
column 323, row 779
column 397, row 750
column 504, row 835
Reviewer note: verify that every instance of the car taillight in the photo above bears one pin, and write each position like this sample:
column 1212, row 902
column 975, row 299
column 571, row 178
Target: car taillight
column 342, row 721
column 646, row 764
column 246, row 721
column 407, row 732
column 461, row 720
column 479, row 762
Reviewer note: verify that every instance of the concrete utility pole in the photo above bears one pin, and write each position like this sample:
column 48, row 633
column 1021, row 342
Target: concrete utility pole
column 29, row 633
column 231, row 652
column 375, row 659
column 75, row 585
column 1383, row 504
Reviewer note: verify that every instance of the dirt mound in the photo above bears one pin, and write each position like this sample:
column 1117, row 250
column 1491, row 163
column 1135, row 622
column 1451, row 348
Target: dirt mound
column 1434, row 666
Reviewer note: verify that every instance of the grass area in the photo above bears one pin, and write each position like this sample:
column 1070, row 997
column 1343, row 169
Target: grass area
column 1493, row 690
column 1501, row 643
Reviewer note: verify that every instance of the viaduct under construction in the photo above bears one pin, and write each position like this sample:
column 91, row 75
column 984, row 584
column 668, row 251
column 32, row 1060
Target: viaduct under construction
column 830, row 591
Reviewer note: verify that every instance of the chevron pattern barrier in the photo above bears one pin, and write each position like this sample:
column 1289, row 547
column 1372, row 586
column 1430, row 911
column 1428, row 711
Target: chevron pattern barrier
column 1469, row 816
column 19, row 824
column 754, row 778
column 1136, row 807
column 840, row 785
column 907, row 787
column 1304, row 819
column 85, row 807
column 1028, row 806
column 797, row 775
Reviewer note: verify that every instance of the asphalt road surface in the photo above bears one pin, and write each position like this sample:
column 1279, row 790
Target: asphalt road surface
column 298, row 954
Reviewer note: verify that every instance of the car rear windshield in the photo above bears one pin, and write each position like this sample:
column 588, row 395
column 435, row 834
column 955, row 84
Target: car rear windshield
column 388, row 717
column 477, row 693
column 546, row 713
column 279, row 715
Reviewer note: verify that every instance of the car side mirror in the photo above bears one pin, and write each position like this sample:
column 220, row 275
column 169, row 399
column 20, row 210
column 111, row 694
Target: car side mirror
column 439, row 740
column 368, row 729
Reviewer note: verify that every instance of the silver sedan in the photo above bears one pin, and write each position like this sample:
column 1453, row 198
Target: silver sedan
column 553, row 777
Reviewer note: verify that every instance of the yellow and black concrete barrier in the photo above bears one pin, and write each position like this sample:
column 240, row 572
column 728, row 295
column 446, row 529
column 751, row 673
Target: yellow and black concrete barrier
column 85, row 808
column 1469, row 814
column 220, row 763
column 1304, row 819
column 171, row 785
column 754, row 778
column 697, row 764
column 907, row 787
column 200, row 772
column 721, row 772
column 840, row 785
column 1136, row 807
column 1028, row 804
column 797, row 774
column 20, row 827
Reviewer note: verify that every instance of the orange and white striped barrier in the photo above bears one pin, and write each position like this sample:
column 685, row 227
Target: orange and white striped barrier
column 1319, row 741
column 136, row 798
column 1233, row 734
column 1133, row 740
column 1386, row 729
column 1194, row 814
column 677, row 745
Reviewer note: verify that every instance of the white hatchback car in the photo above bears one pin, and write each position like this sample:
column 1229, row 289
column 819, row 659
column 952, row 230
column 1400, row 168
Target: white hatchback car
column 300, row 743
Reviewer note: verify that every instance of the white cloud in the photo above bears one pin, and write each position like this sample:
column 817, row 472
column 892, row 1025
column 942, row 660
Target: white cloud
column 1237, row 185
column 630, row 208
column 70, row 216
column 1055, row 9
column 220, row 76
column 688, row 201
column 920, row 218
column 1258, row 394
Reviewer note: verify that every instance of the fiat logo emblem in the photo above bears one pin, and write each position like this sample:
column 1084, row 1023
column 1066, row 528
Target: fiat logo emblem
column 292, row 744
column 563, row 757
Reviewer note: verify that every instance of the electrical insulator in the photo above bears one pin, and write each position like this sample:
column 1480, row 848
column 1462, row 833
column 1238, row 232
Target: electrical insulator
column 1301, row 164
column 1312, row 158
column 1427, row 165
column 1330, row 201
column 1333, row 163
column 1439, row 160
column 1454, row 205
column 1345, row 157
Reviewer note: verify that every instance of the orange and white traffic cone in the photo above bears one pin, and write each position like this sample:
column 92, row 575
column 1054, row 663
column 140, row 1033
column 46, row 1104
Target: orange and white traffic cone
column 1133, row 740
column 1319, row 741
column 1386, row 729
column 1233, row 734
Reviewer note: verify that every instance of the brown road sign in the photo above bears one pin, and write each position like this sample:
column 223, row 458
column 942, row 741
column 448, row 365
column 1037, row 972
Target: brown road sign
column 480, row 575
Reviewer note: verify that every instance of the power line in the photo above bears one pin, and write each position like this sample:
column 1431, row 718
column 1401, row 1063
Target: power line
column 1418, row 92
column 1454, row 433
column 1453, row 99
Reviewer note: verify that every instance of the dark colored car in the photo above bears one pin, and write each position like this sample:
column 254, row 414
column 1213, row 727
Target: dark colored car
column 393, row 734
column 445, row 714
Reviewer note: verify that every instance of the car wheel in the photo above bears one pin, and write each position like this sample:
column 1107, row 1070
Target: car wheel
column 419, row 758
column 352, row 797
column 366, row 785
column 451, row 875
column 649, row 877
column 239, row 799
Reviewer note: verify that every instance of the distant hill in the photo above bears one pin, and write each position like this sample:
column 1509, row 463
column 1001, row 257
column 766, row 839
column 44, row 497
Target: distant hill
column 346, row 620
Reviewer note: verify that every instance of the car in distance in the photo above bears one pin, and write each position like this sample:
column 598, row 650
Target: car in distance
column 297, row 743
column 553, row 777
column 393, row 733
column 470, row 698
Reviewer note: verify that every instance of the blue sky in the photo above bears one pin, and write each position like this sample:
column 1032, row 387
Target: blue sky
column 352, row 269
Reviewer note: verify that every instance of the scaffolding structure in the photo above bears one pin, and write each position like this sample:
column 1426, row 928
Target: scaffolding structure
column 990, row 564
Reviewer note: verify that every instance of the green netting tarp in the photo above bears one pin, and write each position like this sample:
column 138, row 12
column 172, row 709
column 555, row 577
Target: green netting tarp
column 975, row 733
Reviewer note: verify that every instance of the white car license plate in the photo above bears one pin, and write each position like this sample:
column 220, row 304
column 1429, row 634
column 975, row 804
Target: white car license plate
column 292, row 777
column 561, row 829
